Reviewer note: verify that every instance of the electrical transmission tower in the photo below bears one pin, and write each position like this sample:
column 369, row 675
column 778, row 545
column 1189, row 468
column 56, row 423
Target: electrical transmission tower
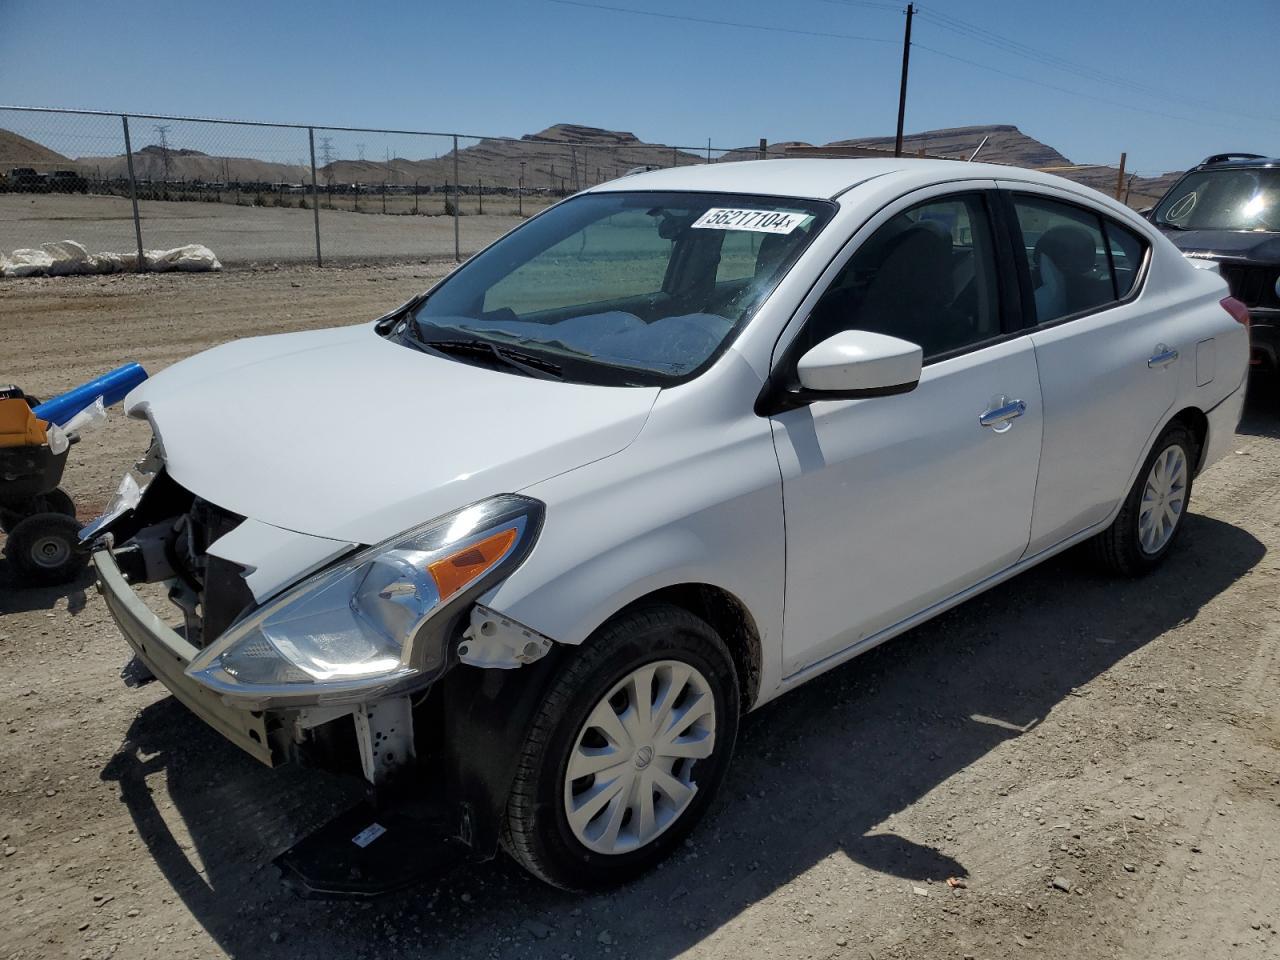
column 162, row 130
column 326, row 157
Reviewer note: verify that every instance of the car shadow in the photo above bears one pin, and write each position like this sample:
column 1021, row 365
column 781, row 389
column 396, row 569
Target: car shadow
column 817, row 773
column 19, row 597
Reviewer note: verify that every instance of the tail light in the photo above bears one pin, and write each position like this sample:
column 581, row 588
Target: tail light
column 1239, row 312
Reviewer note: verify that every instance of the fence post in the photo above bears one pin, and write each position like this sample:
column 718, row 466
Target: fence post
column 133, row 195
column 457, row 245
column 1120, row 175
column 315, row 193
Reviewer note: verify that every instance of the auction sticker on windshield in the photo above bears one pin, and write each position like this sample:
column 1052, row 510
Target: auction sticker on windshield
column 760, row 221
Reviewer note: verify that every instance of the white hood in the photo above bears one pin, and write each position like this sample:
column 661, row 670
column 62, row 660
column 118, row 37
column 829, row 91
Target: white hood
column 342, row 434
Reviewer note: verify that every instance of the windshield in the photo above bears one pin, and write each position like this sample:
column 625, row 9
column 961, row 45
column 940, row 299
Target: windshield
column 622, row 288
column 1244, row 199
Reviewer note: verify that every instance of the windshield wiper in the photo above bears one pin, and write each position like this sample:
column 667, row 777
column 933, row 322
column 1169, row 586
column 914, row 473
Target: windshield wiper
column 527, row 363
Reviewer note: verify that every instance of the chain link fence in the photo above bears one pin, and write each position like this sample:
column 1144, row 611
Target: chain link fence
column 262, row 193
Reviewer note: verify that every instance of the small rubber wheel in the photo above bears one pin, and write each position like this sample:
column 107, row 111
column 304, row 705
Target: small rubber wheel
column 626, row 751
column 58, row 500
column 1151, row 518
column 46, row 549
column 55, row 501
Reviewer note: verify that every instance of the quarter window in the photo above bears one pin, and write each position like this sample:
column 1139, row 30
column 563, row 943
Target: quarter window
column 1127, row 251
column 927, row 276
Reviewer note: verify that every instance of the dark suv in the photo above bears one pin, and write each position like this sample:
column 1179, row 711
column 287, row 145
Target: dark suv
column 1227, row 209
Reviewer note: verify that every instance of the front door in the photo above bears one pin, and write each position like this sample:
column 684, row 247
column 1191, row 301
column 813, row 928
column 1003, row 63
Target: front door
column 895, row 504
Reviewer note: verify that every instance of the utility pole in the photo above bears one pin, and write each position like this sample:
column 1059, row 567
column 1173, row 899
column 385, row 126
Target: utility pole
column 520, row 192
column 902, row 91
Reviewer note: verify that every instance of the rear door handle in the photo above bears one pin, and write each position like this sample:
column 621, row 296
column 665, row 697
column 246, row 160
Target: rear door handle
column 1002, row 414
column 1164, row 356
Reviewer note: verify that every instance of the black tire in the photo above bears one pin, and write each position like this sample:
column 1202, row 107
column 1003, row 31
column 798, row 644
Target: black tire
column 537, row 833
column 55, row 501
column 1118, row 549
column 45, row 548
column 58, row 501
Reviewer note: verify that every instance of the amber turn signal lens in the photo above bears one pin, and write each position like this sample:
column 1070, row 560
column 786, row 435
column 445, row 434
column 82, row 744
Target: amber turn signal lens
column 454, row 572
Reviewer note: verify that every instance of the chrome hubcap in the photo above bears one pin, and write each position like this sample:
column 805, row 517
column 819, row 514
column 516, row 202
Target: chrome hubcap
column 630, row 773
column 1163, row 499
column 50, row 551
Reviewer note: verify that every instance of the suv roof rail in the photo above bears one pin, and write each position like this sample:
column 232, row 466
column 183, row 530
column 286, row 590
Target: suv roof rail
column 1221, row 157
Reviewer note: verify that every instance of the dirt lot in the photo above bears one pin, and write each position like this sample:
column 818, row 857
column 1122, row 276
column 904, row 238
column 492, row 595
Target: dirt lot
column 1119, row 739
column 241, row 234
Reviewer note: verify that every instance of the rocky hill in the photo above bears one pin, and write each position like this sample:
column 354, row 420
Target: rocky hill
column 18, row 151
column 1005, row 144
column 155, row 163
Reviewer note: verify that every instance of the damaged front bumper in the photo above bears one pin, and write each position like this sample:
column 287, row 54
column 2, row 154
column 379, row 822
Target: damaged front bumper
column 167, row 655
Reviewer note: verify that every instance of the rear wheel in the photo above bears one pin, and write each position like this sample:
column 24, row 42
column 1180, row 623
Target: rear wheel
column 626, row 751
column 1149, row 522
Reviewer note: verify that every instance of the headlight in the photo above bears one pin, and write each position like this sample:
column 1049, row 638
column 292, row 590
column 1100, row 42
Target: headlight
column 375, row 620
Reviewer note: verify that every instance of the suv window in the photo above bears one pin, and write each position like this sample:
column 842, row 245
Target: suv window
column 1070, row 269
column 927, row 276
column 1241, row 199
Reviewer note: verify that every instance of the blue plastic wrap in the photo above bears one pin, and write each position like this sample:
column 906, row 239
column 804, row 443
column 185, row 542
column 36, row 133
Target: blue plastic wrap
column 111, row 387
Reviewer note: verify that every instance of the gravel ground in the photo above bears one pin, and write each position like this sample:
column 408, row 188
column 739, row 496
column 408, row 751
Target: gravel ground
column 1095, row 764
column 238, row 235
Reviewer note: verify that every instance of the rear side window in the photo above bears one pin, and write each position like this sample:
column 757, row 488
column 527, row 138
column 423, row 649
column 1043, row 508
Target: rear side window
column 1067, row 256
column 1127, row 252
column 1078, row 260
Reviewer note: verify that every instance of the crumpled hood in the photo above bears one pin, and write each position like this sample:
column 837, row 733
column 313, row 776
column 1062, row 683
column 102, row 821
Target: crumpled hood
column 1263, row 247
column 342, row 434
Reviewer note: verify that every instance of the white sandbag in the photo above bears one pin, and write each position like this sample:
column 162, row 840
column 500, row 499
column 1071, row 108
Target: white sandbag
column 26, row 262
column 111, row 262
column 66, row 258
column 192, row 257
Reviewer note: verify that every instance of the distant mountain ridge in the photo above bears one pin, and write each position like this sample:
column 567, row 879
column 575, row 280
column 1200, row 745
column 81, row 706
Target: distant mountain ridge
column 565, row 156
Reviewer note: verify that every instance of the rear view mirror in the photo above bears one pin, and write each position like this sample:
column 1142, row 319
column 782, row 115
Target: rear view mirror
column 858, row 363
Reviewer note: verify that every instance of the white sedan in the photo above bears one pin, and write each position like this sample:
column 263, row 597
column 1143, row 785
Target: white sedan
column 664, row 452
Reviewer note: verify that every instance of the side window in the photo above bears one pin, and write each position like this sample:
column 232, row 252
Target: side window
column 1070, row 270
column 1127, row 250
column 927, row 276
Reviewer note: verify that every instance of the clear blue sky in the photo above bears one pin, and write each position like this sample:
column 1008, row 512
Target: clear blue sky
column 516, row 66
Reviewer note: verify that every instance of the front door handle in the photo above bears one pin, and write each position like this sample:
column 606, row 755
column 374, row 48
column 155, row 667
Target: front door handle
column 1002, row 414
column 1164, row 356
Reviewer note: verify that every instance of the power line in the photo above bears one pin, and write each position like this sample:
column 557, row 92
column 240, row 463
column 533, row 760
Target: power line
column 721, row 23
column 1046, row 58
column 1067, row 90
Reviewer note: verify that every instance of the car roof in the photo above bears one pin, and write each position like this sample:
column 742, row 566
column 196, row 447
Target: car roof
column 814, row 178
column 1236, row 161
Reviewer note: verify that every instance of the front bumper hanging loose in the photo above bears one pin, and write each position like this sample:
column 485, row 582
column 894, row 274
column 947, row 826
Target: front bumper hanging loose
column 166, row 654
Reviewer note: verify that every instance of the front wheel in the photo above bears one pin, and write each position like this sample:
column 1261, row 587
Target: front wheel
column 626, row 751
column 1152, row 515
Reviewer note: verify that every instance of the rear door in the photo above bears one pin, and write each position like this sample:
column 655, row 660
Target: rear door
column 1108, row 357
column 893, row 504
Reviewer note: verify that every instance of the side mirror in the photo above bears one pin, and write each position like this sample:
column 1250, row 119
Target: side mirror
column 857, row 363
column 1145, row 212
